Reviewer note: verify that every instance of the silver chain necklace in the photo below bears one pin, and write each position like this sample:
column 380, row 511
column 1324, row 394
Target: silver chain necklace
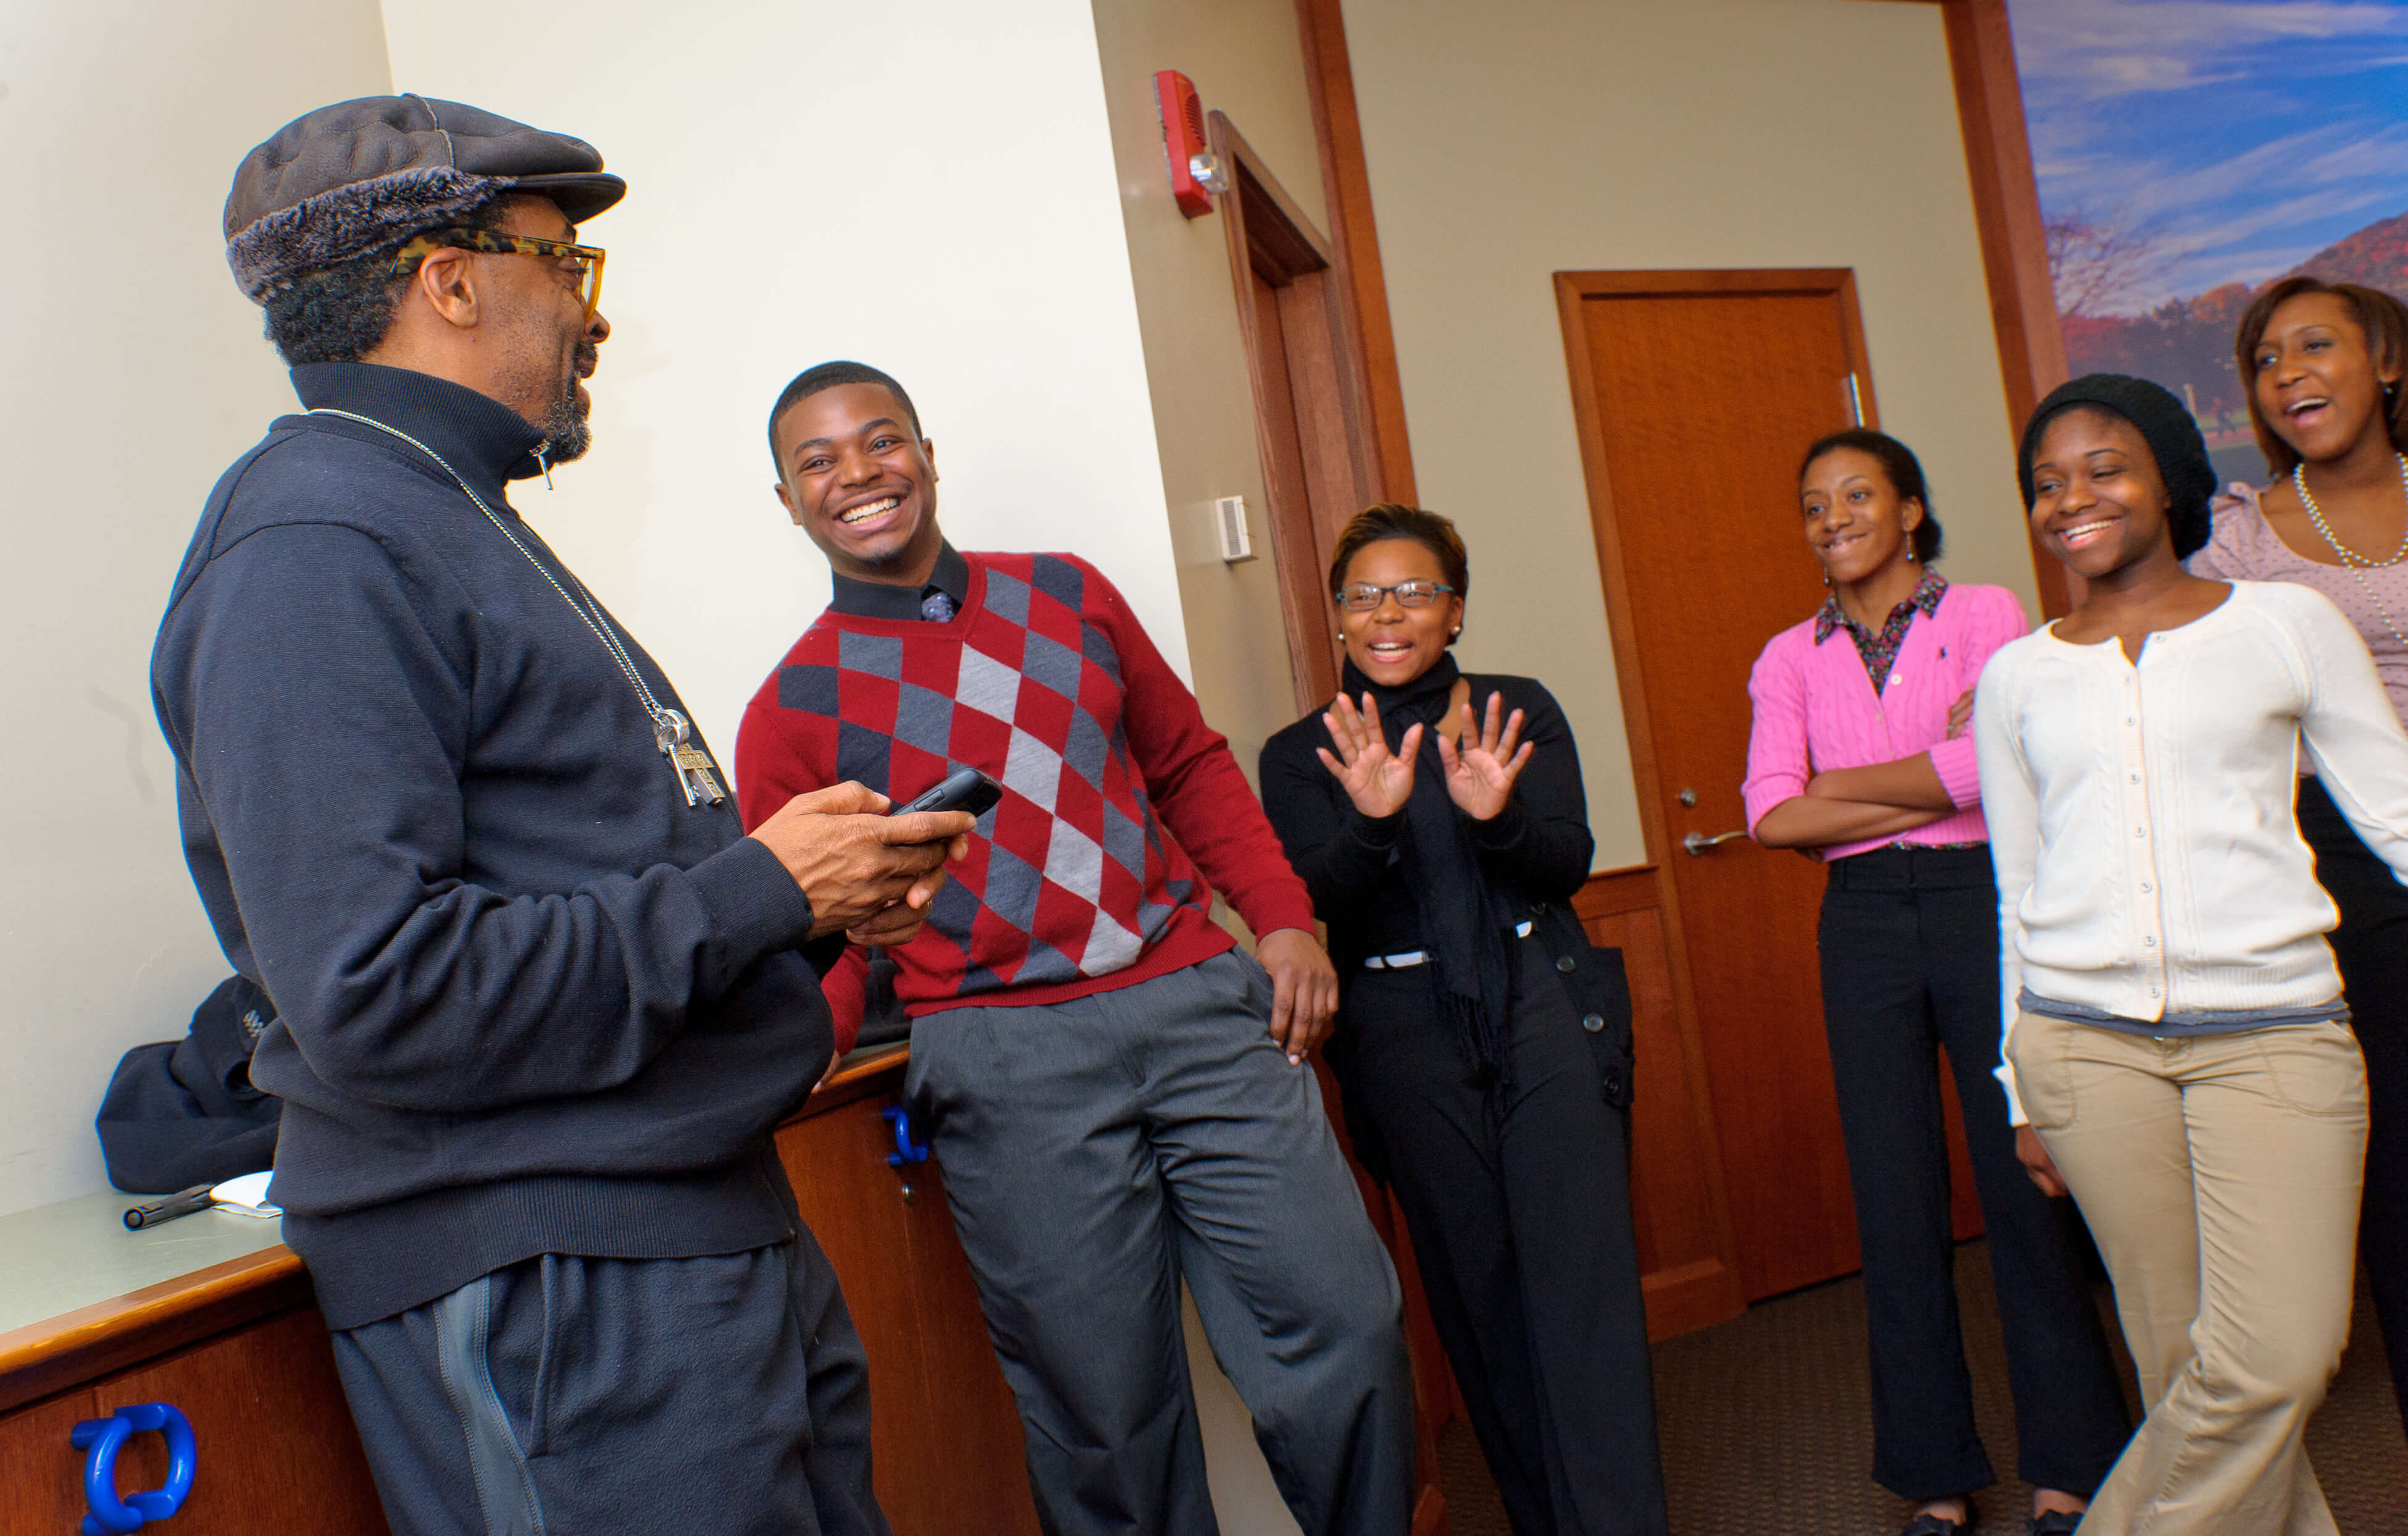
column 671, row 731
column 2351, row 561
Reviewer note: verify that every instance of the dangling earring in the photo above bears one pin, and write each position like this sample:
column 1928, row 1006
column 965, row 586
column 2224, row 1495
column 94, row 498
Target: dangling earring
column 1827, row 577
column 1910, row 557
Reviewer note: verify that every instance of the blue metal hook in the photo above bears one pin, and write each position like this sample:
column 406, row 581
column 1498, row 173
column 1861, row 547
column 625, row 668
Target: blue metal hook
column 908, row 1148
column 103, row 1438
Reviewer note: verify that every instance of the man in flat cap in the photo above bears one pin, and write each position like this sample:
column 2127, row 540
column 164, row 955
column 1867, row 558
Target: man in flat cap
column 540, row 1000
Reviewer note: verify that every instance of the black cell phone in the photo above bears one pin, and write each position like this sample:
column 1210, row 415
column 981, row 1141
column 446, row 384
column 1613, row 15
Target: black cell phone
column 964, row 789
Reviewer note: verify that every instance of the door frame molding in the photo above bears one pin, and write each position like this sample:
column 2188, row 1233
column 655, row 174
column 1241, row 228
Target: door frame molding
column 1268, row 234
column 2015, row 239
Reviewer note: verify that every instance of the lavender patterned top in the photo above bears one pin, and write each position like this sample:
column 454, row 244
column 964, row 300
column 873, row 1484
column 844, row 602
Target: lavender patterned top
column 2243, row 548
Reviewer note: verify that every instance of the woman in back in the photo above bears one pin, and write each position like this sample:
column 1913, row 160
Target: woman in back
column 1857, row 754
column 2323, row 362
column 2174, row 1022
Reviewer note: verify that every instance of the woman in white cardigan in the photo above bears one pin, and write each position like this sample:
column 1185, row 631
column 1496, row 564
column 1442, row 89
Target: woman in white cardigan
column 2176, row 1032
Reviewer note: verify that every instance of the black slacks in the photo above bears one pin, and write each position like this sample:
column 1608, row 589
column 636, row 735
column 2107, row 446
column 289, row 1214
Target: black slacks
column 1519, row 1209
column 2371, row 948
column 1910, row 951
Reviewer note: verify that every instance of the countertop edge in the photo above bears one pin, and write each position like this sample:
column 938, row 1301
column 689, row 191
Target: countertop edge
column 60, row 1352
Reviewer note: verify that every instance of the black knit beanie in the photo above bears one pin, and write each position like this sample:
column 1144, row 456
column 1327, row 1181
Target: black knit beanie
column 2164, row 423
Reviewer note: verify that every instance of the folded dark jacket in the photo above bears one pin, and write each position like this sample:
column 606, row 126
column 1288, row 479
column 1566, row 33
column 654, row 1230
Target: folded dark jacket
column 183, row 1113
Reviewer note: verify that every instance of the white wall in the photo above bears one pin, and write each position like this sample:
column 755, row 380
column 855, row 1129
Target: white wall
column 936, row 196
column 931, row 194
column 135, row 372
column 1539, row 135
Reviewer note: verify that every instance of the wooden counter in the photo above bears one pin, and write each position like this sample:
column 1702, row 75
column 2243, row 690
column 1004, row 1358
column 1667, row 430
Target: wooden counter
column 213, row 1314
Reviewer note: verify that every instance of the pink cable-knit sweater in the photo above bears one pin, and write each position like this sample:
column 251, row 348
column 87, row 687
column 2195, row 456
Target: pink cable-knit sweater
column 1815, row 708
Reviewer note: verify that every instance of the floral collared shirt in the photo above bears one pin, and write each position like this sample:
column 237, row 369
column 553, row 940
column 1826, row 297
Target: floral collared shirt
column 1879, row 650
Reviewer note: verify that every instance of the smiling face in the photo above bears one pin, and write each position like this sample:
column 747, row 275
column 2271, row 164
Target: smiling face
column 2316, row 381
column 860, row 482
column 1394, row 644
column 2098, row 503
column 1855, row 522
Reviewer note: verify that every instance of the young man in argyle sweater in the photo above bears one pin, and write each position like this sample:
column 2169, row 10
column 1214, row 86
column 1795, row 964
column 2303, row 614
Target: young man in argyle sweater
column 1117, row 1093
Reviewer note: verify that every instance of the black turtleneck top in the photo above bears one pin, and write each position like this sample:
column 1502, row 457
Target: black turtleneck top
column 528, row 999
column 1535, row 851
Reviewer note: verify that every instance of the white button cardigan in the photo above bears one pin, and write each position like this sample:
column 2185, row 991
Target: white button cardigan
column 2141, row 814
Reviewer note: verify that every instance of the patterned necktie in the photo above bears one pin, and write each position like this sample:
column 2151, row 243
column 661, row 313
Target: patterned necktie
column 937, row 605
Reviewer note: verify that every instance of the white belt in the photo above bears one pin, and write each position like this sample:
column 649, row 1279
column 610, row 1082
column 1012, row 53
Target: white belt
column 1421, row 956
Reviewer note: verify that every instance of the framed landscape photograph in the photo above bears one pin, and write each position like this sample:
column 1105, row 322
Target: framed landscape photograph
column 2189, row 152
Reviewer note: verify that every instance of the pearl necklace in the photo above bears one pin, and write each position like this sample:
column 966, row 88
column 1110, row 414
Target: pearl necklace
column 2351, row 561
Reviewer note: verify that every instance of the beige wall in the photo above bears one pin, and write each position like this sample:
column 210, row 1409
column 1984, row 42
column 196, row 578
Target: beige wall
column 1559, row 135
column 1246, row 59
column 135, row 372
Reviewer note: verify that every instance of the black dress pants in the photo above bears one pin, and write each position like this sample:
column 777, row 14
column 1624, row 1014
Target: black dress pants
column 2371, row 948
column 1910, row 951
column 1518, row 1204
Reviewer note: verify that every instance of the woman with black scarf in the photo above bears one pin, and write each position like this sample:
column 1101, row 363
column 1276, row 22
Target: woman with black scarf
column 1483, row 1046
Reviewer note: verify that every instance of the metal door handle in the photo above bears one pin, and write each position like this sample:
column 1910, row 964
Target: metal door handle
column 1698, row 842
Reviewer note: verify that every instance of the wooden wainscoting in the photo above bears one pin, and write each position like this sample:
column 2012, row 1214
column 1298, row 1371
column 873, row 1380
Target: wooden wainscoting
column 1686, row 1258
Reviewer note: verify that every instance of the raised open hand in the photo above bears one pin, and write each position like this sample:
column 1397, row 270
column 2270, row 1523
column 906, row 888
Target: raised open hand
column 1480, row 770
column 1378, row 781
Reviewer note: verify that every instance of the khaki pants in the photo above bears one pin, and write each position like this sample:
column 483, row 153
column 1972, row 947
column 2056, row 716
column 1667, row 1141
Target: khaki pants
column 2220, row 1175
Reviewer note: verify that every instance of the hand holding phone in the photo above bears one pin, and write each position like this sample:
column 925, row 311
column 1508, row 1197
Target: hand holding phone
column 854, row 863
column 964, row 789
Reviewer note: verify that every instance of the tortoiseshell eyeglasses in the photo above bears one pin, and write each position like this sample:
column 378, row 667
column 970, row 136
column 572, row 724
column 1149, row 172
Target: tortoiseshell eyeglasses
column 493, row 242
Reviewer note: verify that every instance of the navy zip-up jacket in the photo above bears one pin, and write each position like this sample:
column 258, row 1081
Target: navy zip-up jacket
column 528, row 999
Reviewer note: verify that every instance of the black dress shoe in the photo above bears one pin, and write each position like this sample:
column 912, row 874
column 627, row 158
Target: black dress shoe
column 1933, row 1525
column 2057, row 1522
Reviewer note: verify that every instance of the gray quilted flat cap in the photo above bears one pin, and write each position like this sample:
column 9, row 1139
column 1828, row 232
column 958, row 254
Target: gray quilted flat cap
column 362, row 176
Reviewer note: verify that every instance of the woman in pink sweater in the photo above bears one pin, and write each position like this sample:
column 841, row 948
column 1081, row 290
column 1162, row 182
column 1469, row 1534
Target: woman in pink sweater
column 1859, row 755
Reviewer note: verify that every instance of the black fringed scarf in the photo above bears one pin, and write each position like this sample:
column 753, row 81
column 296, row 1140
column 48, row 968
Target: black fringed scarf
column 1463, row 920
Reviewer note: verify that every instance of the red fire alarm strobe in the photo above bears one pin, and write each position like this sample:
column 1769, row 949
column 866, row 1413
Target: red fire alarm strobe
column 1194, row 173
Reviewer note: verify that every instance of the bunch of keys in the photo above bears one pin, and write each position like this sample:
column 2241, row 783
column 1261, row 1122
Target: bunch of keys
column 694, row 765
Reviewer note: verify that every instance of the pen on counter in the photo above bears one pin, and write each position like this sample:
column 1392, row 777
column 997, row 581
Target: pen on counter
column 195, row 1199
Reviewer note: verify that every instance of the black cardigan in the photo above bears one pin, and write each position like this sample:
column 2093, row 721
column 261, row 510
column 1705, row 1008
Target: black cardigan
column 1536, row 850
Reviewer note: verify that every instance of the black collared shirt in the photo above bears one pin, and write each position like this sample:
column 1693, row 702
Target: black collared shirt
column 883, row 600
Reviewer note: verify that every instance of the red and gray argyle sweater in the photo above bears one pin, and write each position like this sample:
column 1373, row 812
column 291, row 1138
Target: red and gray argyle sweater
column 1080, row 879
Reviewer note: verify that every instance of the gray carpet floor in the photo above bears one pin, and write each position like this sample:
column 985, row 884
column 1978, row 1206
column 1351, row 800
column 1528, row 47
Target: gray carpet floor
column 1767, row 1429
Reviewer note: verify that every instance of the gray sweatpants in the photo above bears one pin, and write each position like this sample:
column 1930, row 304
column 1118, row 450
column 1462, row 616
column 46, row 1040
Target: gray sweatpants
column 721, row 1396
column 1094, row 1152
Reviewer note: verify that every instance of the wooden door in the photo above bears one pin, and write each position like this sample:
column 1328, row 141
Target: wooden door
column 1695, row 393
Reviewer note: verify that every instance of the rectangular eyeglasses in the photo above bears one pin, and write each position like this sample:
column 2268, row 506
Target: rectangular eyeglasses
column 1362, row 597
